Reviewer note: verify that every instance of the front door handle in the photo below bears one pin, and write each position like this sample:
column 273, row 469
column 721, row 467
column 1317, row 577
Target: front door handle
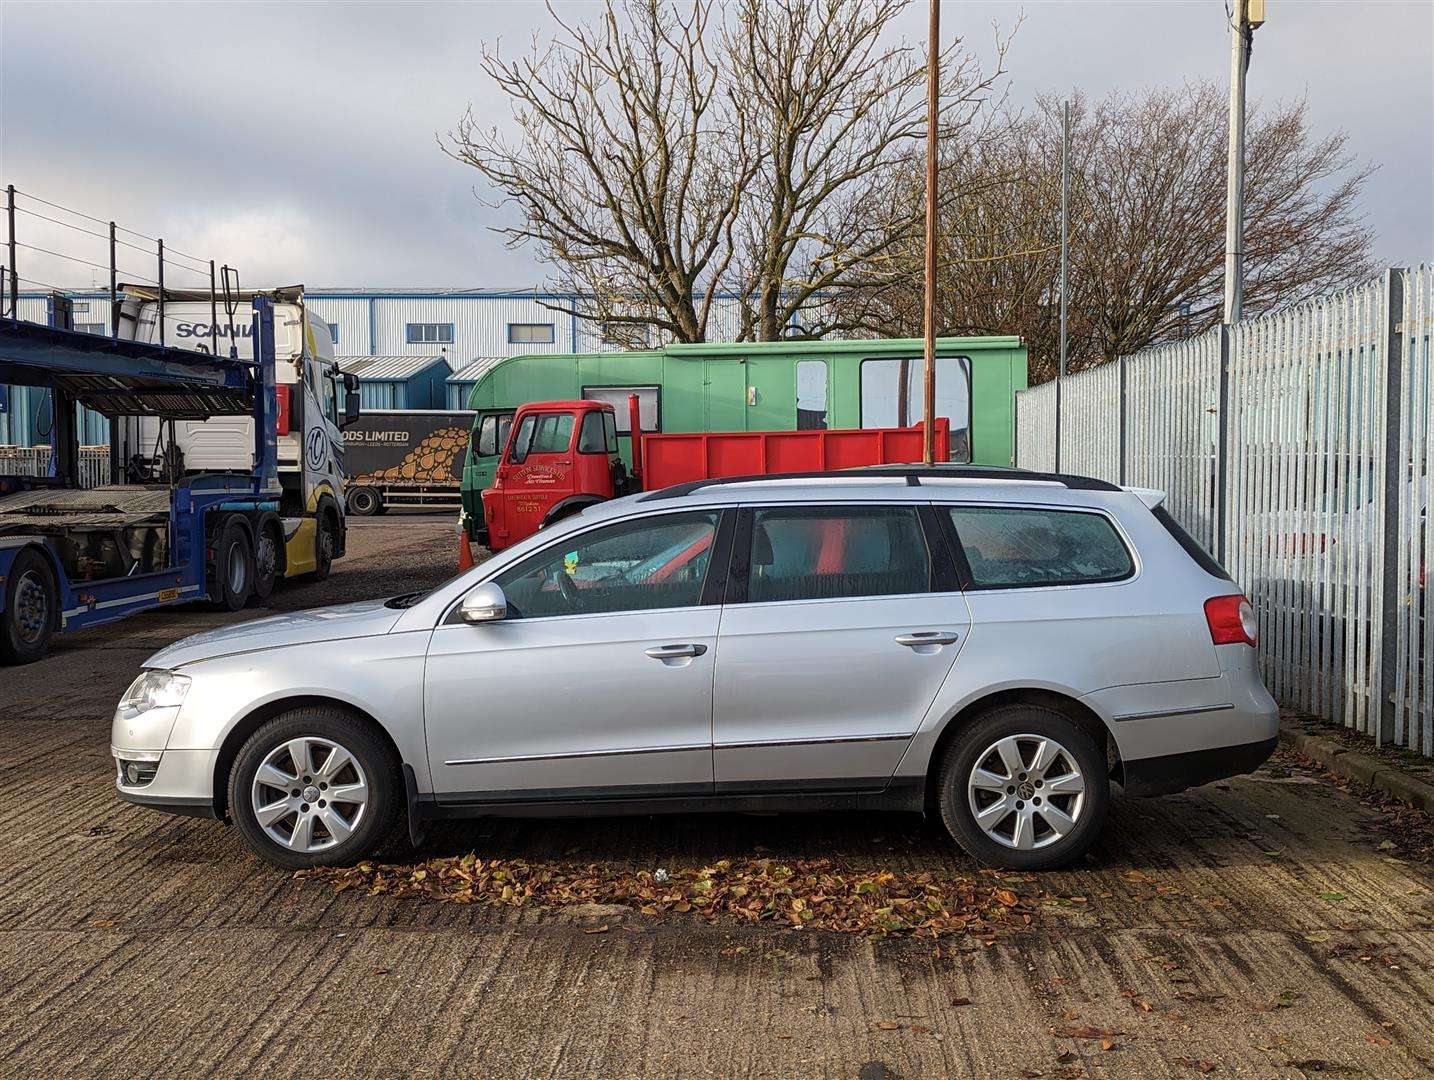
column 675, row 652
column 927, row 640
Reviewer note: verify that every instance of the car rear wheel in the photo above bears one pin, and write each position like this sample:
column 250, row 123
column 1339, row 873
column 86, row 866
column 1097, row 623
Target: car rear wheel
column 314, row 787
column 1024, row 788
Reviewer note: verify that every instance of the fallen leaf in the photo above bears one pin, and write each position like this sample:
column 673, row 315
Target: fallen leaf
column 1197, row 1065
column 595, row 929
column 1333, row 896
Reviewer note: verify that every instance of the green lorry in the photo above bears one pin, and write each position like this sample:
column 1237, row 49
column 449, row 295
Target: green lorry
column 760, row 386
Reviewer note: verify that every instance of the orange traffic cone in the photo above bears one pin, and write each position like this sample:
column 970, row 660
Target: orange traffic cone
column 465, row 552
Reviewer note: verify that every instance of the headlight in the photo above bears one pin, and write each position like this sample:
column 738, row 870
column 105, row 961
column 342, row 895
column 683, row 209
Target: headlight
column 155, row 690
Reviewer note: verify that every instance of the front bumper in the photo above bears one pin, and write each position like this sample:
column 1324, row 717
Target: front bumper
column 1176, row 772
column 182, row 783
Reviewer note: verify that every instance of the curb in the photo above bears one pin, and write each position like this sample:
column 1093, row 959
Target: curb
column 1361, row 768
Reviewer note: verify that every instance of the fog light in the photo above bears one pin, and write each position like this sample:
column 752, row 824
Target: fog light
column 136, row 767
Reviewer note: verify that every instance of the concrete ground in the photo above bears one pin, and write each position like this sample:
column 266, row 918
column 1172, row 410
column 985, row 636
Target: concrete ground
column 1267, row 926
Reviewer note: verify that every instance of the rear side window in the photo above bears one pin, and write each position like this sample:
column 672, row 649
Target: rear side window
column 1203, row 558
column 802, row 553
column 1011, row 547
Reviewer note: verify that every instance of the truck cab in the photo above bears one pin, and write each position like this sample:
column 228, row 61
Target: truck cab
column 314, row 401
column 560, row 456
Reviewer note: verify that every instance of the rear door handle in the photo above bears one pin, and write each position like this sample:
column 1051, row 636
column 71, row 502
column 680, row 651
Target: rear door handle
column 927, row 640
column 675, row 652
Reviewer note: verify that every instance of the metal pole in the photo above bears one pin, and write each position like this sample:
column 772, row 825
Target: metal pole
column 1240, row 33
column 933, row 76
column 160, row 248
column 14, row 279
column 213, row 314
column 1065, row 252
column 114, row 292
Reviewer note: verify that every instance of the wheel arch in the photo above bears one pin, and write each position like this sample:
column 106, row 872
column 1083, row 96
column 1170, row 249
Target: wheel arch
column 1065, row 704
column 256, row 718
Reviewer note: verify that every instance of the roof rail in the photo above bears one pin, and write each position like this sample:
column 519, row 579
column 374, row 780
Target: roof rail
column 911, row 473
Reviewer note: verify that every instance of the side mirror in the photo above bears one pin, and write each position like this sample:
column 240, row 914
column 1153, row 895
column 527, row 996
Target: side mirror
column 351, row 408
column 486, row 603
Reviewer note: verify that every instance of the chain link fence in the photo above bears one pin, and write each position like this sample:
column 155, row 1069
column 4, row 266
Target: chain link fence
column 1298, row 447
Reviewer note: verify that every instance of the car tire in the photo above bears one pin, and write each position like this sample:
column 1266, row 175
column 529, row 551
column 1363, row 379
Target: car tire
column 365, row 502
column 266, row 559
column 233, row 566
column 1038, row 831
column 310, row 829
column 31, row 611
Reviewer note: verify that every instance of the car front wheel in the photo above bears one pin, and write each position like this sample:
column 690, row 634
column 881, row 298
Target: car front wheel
column 314, row 787
column 1024, row 788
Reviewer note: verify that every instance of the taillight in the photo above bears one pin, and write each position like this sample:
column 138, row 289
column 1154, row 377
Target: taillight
column 1231, row 619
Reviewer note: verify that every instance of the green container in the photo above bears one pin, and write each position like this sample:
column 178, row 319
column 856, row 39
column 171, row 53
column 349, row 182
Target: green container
column 764, row 386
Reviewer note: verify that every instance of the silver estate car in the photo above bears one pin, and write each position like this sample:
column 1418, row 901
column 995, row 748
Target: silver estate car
column 992, row 647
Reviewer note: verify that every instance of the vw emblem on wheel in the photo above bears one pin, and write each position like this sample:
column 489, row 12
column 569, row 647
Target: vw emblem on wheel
column 317, row 449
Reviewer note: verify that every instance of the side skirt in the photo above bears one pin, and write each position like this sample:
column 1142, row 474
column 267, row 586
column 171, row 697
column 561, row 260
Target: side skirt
column 903, row 794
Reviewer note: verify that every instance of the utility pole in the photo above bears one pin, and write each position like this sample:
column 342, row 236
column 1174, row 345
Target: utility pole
column 1065, row 255
column 1245, row 18
column 933, row 75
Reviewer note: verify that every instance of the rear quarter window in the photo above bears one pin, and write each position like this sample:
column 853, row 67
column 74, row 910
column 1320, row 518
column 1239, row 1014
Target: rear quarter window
column 1203, row 558
column 1010, row 547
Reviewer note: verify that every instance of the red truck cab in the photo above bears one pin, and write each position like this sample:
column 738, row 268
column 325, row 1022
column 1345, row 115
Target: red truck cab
column 560, row 457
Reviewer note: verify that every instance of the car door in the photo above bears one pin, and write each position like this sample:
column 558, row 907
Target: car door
column 540, row 473
column 598, row 683
column 841, row 624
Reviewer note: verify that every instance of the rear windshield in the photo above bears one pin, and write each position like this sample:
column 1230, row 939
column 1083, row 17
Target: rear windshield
column 1192, row 547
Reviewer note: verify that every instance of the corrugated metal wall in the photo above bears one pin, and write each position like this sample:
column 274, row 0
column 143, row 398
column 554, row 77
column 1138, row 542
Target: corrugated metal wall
column 1326, row 484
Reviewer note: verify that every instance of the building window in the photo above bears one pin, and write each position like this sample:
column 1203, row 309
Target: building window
column 531, row 333
column 625, row 335
column 334, row 332
column 430, row 333
column 811, row 395
column 79, row 307
column 92, row 328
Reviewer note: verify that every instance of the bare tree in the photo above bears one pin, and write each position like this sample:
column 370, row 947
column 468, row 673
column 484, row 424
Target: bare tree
column 833, row 110
column 1147, row 225
column 628, row 166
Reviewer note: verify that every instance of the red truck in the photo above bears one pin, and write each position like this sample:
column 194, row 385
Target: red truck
column 563, row 455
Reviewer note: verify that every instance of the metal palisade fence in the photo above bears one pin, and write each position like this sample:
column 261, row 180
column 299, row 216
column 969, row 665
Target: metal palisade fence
column 1299, row 448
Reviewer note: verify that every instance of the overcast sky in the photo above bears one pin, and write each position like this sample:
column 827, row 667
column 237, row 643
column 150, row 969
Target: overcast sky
column 297, row 140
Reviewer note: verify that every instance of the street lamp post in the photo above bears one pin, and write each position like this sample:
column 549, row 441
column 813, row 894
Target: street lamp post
column 1245, row 18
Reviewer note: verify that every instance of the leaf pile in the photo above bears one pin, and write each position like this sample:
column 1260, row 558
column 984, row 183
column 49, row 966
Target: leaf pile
column 800, row 894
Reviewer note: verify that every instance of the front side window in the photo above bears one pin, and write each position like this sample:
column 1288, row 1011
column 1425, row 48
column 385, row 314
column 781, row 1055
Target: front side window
column 427, row 333
column 630, row 566
column 882, row 405
column 817, row 553
column 492, row 434
column 1011, row 546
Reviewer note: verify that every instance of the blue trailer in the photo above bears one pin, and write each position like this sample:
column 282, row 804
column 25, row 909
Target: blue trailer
column 73, row 557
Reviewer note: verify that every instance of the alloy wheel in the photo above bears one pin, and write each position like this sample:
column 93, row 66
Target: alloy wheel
column 1026, row 791
column 309, row 794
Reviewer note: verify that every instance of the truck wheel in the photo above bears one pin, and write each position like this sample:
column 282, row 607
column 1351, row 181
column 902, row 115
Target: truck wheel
column 325, row 540
column 233, row 566
column 32, row 609
column 266, row 560
column 1024, row 788
column 314, row 787
column 365, row 502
